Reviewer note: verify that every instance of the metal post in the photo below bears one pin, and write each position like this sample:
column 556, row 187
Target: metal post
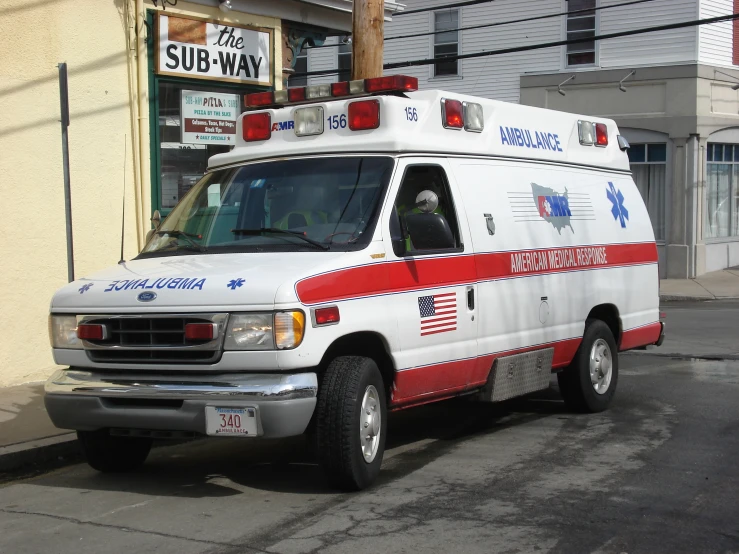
column 64, row 105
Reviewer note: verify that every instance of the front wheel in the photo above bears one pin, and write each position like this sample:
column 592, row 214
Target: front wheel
column 107, row 453
column 351, row 419
column 589, row 383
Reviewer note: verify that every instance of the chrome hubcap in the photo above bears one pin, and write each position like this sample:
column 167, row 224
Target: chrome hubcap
column 601, row 366
column 370, row 424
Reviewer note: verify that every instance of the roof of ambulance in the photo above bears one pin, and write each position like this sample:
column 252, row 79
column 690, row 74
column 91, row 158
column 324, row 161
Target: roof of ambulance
column 510, row 131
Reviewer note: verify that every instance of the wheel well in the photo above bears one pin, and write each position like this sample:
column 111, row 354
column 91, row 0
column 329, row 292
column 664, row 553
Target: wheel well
column 367, row 344
column 608, row 314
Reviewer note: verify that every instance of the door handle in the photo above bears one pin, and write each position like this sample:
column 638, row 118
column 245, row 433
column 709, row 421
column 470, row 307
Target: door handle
column 470, row 298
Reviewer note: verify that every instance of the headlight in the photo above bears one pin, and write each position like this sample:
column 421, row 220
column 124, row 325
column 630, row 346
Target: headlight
column 63, row 331
column 265, row 331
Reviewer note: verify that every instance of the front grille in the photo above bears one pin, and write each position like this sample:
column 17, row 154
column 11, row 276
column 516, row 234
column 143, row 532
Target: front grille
column 153, row 339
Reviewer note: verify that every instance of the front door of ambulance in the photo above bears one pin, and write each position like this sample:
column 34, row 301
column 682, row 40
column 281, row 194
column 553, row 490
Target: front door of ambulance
column 434, row 291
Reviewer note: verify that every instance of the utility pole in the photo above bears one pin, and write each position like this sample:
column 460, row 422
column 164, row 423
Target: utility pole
column 368, row 27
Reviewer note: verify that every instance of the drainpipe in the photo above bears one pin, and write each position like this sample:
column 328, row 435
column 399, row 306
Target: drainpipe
column 132, row 28
column 143, row 117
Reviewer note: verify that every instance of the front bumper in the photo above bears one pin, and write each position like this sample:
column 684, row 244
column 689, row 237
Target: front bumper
column 86, row 401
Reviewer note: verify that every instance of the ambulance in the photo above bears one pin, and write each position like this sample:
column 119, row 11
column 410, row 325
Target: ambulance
column 365, row 247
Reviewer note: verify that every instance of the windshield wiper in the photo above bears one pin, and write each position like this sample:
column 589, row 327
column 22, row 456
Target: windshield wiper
column 186, row 236
column 296, row 234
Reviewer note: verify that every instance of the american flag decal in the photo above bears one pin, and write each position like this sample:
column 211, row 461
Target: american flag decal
column 438, row 313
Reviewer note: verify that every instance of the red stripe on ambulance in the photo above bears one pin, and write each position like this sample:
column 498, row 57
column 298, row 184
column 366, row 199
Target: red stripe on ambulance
column 425, row 273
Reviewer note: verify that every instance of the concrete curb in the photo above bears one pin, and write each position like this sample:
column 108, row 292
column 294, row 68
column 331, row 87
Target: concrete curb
column 40, row 451
column 687, row 298
column 684, row 298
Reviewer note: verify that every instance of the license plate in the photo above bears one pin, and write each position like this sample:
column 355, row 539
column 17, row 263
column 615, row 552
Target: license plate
column 233, row 422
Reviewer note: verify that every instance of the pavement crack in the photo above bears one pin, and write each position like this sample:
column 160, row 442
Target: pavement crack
column 77, row 521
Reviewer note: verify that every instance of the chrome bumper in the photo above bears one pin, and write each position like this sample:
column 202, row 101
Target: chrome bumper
column 84, row 400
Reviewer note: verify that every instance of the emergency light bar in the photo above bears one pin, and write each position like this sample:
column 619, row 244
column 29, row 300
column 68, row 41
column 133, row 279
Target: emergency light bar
column 296, row 95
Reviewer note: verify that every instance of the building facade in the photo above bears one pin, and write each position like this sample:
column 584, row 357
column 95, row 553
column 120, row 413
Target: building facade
column 154, row 89
column 671, row 93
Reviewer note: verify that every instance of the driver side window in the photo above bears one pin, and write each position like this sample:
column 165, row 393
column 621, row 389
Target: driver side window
column 423, row 227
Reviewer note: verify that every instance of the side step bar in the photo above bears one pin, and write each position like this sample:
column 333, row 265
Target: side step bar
column 520, row 374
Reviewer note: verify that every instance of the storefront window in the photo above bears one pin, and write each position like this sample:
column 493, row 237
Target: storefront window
column 183, row 163
column 722, row 191
column 649, row 167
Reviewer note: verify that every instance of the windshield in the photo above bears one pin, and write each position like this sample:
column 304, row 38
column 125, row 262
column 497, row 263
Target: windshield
column 288, row 205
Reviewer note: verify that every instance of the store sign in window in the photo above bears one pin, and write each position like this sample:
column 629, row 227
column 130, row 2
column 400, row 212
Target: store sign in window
column 202, row 49
column 208, row 117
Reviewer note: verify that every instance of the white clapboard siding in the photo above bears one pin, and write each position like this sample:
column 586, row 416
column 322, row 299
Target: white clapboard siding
column 663, row 47
column 498, row 77
column 494, row 77
column 716, row 41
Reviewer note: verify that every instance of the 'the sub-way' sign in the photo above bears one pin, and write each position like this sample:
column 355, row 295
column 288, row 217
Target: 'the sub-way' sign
column 203, row 49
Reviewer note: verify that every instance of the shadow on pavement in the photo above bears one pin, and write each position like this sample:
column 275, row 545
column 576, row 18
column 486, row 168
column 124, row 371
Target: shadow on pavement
column 226, row 467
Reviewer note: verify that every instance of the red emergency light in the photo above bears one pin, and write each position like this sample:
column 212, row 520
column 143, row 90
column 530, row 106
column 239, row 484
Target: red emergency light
column 88, row 331
column 327, row 316
column 257, row 126
column 364, row 115
column 601, row 134
column 201, row 331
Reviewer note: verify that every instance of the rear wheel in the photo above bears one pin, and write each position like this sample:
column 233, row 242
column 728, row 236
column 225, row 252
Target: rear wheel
column 351, row 422
column 110, row 454
column 589, row 383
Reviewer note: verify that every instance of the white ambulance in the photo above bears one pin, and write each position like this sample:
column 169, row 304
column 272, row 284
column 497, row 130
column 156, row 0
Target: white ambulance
column 364, row 248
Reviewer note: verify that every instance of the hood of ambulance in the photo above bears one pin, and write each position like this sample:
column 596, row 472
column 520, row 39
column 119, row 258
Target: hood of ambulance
column 214, row 282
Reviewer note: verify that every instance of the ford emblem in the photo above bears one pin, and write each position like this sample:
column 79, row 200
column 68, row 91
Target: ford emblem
column 147, row 296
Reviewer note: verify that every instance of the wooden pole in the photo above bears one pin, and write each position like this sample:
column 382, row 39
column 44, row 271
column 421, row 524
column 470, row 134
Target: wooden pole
column 368, row 27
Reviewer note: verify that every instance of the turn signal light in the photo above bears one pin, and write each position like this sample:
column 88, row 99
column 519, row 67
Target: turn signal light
column 327, row 316
column 601, row 134
column 364, row 115
column 452, row 114
column 201, row 331
column 86, row 331
column 257, row 126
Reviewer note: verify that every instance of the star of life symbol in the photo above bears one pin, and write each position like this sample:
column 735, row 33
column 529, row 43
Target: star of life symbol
column 233, row 284
column 85, row 288
column 619, row 211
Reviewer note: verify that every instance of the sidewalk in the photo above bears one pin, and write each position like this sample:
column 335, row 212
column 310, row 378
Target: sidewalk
column 28, row 438
column 711, row 286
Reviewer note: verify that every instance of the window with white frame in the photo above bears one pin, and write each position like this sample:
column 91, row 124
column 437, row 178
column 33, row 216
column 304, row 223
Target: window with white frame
column 345, row 60
column 446, row 43
column 722, row 191
column 649, row 168
column 301, row 66
column 581, row 25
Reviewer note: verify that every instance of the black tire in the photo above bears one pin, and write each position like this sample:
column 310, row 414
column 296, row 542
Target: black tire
column 338, row 420
column 109, row 454
column 575, row 383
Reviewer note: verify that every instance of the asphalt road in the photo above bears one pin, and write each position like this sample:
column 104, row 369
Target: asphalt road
column 656, row 473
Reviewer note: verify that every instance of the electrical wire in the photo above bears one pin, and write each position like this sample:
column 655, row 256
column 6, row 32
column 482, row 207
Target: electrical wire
column 508, row 22
column 525, row 19
column 540, row 46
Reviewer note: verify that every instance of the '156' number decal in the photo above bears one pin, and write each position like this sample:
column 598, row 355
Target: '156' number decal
column 411, row 114
column 336, row 122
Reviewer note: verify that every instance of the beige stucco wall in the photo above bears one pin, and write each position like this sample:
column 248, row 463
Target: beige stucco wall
column 91, row 36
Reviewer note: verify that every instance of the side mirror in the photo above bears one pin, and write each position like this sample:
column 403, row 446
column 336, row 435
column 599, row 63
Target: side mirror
column 430, row 231
column 396, row 234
